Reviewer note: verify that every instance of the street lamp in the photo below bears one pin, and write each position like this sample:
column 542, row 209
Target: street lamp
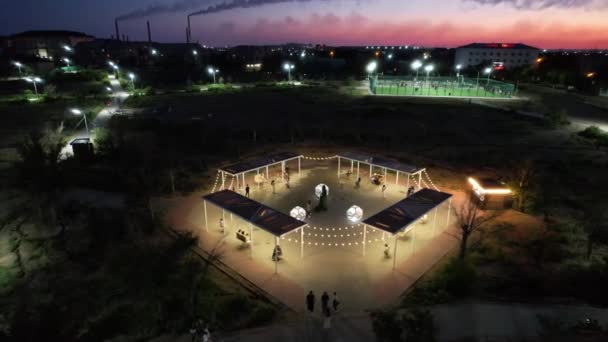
column 66, row 60
column 67, row 48
column 212, row 71
column 390, row 56
column 416, row 66
column 458, row 68
column 154, row 52
column 489, row 72
column 428, row 70
column 288, row 67
column 194, row 52
column 34, row 81
column 79, row 112
column 132, row 77
column 18, row 65
column 371, row 67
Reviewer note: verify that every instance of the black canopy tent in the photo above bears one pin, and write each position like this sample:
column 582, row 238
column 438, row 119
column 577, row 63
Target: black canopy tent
column 382, row 162
column 255, row 213
column 242, row 167
column 400, row 216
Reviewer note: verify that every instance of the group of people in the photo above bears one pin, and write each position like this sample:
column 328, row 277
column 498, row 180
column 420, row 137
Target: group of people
column 326, row 309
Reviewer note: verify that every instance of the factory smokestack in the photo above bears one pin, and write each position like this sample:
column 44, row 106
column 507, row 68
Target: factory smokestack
column 188, row 32
column 116, row 27
column 149, row 33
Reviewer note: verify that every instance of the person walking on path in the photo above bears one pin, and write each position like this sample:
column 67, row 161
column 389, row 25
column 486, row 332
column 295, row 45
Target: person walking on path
column 310, row 302
column 383, row 190
column 335, row 302
column 325, row 301
column 273, row 187
column 222, row 225
column 247, row 190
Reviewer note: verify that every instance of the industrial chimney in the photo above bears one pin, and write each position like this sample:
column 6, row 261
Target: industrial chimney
column 149, row 33
column 116, row 27
column 188, row 32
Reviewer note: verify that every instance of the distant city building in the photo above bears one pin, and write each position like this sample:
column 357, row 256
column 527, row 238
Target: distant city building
column 46, row 44
column 497, row 54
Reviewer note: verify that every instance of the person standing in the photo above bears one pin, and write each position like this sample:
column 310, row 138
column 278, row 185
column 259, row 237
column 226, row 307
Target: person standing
column 383, row 190
column 222, row 225
column 310, row 302
column 273, row 187
column 387, row 251
column 325, row 301
column 247, row 190
column 335, row 302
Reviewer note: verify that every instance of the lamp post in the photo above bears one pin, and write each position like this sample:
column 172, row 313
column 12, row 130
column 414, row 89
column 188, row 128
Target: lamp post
column 370, row 68
column 34, row 80
column 489, row 72
column 18, row 65
column 66, row 60
column 195, row 53
column 416, row 66
column 154, row 52
column 132, row 78
column 79, row 112
column 458, row 68
column 428, row 70
column 288, row 67
column 67, row 48
column 212, row 71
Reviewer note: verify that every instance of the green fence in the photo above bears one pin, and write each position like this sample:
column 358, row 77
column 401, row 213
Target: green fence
column 440, row 86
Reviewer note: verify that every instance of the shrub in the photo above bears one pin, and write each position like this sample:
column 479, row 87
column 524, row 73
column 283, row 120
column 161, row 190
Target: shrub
column 386, row 326
column 419, row 325
column 558, row 118
column 596, row 135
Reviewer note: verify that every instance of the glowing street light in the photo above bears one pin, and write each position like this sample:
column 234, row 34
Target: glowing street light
column 390, row 56
column 458, row 68
column 194, row 52
column 66, row 60
column 288, row 67
column 488, row 71
column 132, row 78
column 67, row 48
column 34, row 80
column 303, row 54
column 18, row 65
column 370, row 68
column 154, row 52
column 79, row 112
column 416, row 66
column 212, row 71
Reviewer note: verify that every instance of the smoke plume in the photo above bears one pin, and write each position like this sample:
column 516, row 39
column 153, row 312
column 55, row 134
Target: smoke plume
column 543, row 4
column 178, row 6
column 225, row 6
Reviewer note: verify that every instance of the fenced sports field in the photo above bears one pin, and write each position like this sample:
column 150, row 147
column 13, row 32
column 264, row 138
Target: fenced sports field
column 441, row 87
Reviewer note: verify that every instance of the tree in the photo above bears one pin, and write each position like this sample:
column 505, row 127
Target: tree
column 521, row 183
column 470, row 219
column 596, row 228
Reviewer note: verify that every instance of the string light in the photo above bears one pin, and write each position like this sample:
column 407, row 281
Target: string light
column 217, row 177
column 430, row 180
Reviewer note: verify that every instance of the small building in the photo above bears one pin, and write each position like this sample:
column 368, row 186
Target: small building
column 508, row 55
column 82, row 149
column 490, row 194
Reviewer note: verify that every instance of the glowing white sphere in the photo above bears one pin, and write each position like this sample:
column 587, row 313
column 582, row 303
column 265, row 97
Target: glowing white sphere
column 298, row 213
column 319, row 190
column 354, row 213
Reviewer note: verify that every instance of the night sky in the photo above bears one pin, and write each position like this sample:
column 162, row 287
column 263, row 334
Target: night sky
column 543, row 23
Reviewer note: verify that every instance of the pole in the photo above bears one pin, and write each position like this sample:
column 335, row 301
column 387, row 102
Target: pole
column 397, row 178
column 223, row 180
column 364, row 237
column 302, row 242
column 395, row 252
column 267, row 173
column 358, row 169
column 86, row 126
column 338, row 166
column 251, row 239
column 205, row 208
column 300, row 167
column 407, row 185
column 420, row 180
column 434, row 221
column 449, row 209
column 35, row 88
column 283, row 171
